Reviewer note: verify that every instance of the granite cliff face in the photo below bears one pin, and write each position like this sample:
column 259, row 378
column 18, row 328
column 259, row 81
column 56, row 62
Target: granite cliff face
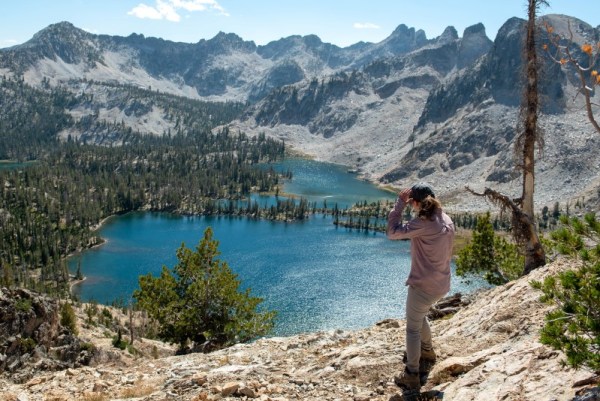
column 468, row 124
column 447, row 113
column 488, row 350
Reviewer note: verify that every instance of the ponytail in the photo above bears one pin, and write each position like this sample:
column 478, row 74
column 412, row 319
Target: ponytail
column 428, row 207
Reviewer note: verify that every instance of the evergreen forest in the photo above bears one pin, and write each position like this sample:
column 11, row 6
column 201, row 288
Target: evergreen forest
column 50, row 205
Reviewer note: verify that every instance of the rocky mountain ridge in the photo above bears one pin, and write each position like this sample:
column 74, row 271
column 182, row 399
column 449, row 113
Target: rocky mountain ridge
column 488, row 350
column 426, row 115
column 222, row 68
column 407, row 108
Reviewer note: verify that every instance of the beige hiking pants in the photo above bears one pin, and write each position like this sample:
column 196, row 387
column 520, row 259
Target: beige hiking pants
column 418, row 333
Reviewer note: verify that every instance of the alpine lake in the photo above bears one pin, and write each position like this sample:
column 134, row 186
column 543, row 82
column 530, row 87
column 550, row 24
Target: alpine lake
column 316, row 275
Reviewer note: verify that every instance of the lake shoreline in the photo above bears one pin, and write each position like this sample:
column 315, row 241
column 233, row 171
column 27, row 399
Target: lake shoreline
column 318, row 276
column 74, row 282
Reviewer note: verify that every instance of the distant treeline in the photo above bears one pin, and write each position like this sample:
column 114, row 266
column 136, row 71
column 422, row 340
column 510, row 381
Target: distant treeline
column 31, row 118
column 373, row 217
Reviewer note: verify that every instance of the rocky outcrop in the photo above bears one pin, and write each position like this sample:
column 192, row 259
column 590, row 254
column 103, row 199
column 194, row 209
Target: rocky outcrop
column 285, row 73
column 487, row 350
column 306, row 105
column 473, row 45
column 32, row 338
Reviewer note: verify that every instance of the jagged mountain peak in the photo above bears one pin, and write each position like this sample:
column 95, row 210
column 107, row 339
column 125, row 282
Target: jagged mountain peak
column 311, row 42
column 403, row 30
column 315, row 43
column 473, row 41
column 61, row 40
column 406, row 36
column 512, row 26
column 449, row 35
column 477, row 29
column 137, row 36
column 401, row 41
column 61, row 32
column 59, row 27
column 226, row 37
column 229, row 41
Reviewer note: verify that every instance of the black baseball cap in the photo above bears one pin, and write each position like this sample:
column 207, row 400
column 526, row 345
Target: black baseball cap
column 421, row 191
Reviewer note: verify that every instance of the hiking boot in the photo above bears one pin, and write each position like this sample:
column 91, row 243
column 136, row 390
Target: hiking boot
column 426, row 362
column 408, row 380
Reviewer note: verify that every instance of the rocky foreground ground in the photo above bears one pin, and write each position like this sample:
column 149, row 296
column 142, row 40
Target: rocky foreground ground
column 488, row 350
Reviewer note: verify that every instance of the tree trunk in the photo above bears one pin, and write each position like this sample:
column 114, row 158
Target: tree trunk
column 534, row 253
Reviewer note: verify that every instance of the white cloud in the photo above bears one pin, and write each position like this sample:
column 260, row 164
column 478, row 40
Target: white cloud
column 190, row 5
column 169, row 9
column 143, row 11
column 365, row 25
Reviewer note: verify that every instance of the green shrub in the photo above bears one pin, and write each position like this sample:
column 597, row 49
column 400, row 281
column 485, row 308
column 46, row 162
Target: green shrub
column 91, row 310
column 118, row 341
column 574, row 327
column 133, row 351
column 85, row 346
column 490, row 255
column 27, row 345
column 68, row 318
column 198, row 300
column 23, row 305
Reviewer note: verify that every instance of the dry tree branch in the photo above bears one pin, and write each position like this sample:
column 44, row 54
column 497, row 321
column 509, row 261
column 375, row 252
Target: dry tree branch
column 568, row 58
column 521, row 221
column 501, row 200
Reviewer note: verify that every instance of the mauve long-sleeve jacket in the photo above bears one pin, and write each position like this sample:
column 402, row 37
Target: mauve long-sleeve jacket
column 430, row 248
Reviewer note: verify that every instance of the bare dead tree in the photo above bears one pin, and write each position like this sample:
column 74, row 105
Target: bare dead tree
column 529, row 135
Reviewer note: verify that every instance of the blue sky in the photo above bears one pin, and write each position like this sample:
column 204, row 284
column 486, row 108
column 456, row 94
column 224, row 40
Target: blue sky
column 341, row 22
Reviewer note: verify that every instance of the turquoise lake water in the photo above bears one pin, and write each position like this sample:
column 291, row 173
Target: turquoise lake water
column 5, row 164
column 317, row 276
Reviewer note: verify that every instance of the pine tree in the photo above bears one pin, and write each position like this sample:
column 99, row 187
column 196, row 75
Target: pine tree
column 67, row 318
column 574, row 326
column 490, row 255
column 199, row 300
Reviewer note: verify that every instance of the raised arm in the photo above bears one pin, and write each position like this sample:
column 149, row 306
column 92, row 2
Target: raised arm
column 395, row 228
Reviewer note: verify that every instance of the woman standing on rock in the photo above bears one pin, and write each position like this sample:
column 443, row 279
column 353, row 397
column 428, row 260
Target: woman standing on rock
column 432, row 234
